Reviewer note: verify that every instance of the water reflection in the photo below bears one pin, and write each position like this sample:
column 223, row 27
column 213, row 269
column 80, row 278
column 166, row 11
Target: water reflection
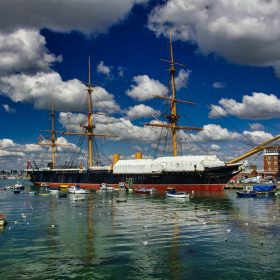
column 148, row 237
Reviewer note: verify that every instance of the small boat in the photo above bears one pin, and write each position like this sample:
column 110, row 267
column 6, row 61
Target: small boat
column 145, row 190
column 53, row 190
column 246, row 194
column 3, row 220
column 248, row 191
column 122, row 186
column 171, row 192
column 256, row 190
column 63, row 188
column 77, row 190
column 105, row 188
column 18, row 186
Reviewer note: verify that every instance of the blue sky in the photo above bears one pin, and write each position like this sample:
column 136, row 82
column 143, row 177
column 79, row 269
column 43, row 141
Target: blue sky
column 231, row 53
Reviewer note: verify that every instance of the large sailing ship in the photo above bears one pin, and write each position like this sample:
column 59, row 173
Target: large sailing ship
column 185, row 173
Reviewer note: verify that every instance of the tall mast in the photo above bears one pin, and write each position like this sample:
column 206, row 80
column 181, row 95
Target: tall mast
column 173, row 116
column 53, row 138
column 52, row 142
column 89, row 127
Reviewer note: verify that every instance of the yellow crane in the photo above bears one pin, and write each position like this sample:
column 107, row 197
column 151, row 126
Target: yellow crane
column 255, row 150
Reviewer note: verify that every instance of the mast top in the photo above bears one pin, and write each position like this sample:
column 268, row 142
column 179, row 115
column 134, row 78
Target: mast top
column 173, row 117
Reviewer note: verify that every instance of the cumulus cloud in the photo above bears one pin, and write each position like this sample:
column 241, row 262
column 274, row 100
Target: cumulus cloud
column 8, row 109
column 24, row 50
column 259, row 106
column 102, row 68
column 256, row 137
column 123, row 128
column 146, row 88
column 8, row 149
column 182, row 79
column 217, row 112
column 90, row 17
column 244, row 32
column 39, row 88
column 141, row 111
column 213, row 132
column 256, row 126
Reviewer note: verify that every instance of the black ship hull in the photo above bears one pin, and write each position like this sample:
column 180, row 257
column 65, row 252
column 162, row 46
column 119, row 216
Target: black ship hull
column 213, row 179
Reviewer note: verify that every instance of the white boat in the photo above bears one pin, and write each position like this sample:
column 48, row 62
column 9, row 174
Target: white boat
column 171, row 192
column 18, row 186
column 105, row 188
column 178, row 195
column 53, row 191
column 77, row 190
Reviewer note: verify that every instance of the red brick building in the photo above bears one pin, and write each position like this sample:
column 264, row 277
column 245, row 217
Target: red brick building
column 271, row 160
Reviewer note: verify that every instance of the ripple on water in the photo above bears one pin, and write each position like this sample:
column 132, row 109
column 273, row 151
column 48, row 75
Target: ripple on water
column 144, row 238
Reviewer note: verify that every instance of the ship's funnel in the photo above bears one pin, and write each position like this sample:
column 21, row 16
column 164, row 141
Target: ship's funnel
column 116, row 158
column 138, row 155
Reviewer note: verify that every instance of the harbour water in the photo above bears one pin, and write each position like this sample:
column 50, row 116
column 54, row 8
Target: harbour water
column 209, row 236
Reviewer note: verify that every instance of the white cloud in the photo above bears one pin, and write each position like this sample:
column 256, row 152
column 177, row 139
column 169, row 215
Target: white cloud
column 256, row 126
column 123, row 128
column 40, row 88
column 146, row 88
column 244, row 32
column 215, row 147
column 8, row 148
column 102, row 68
column 182, row 79
column 213, row 132
column 90, row 17
column 256, row 107
column 7, row 143
column 256, row 137
column 219, row 85
column 33, row 148
column 141, row 111
column 217, row 112
column 24, row 50
column 8, row 109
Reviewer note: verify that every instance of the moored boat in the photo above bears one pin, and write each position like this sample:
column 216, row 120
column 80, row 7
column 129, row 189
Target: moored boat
column 256, row 190
column 172, row 192
column 77, row 190
column 246, row 194
column 105, row 188
column 18, row 186
column 3, row 219
column 53, row 190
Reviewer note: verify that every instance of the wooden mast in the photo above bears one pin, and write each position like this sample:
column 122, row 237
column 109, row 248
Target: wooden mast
column 173, row 117
column 89, row 127
column 52, row 142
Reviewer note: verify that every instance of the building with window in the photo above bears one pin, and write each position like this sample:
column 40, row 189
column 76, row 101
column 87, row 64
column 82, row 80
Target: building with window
column 271, row 161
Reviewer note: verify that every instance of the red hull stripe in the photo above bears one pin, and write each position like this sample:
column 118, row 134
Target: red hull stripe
column 161, row 187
